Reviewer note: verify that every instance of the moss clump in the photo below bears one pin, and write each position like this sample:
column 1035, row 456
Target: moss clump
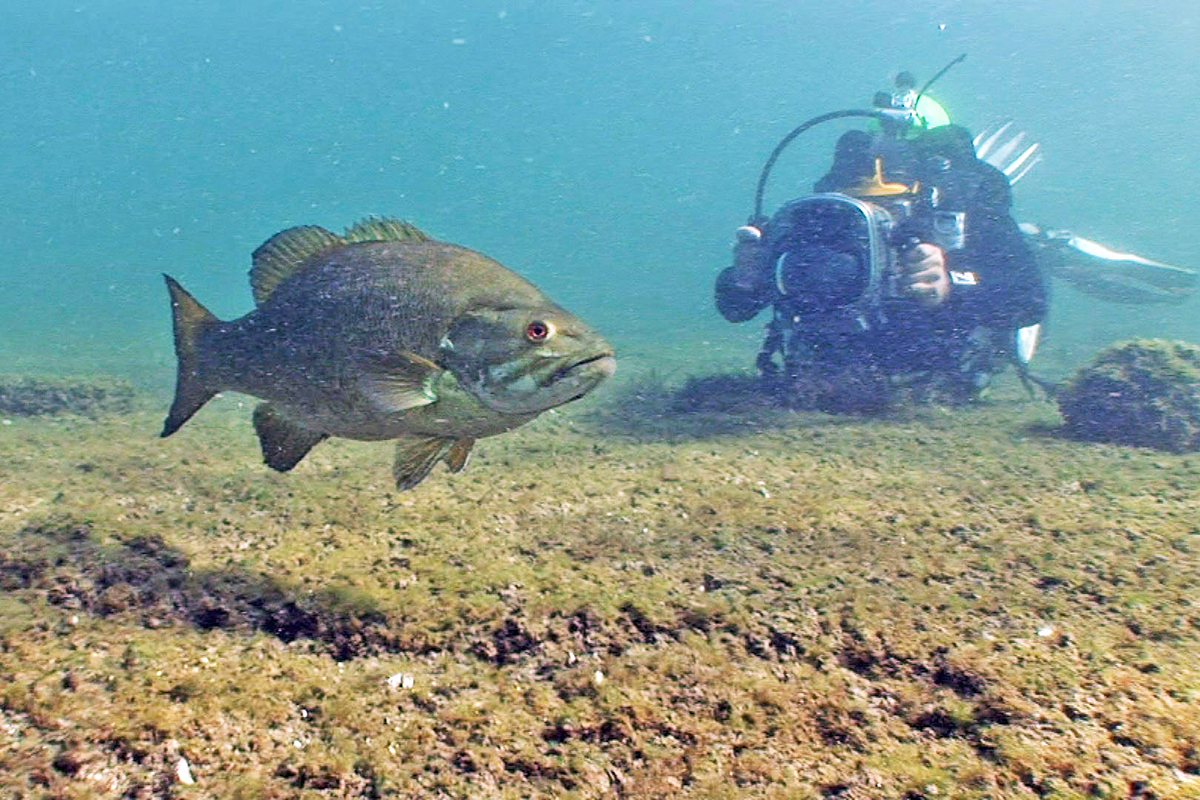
column 1144, row 392
column 27, row 396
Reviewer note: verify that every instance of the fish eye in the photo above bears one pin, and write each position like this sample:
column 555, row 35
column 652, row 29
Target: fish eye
column 538, row 331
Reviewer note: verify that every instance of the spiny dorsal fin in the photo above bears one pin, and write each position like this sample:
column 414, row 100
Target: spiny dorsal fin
column 383, row 229
column 279, row 257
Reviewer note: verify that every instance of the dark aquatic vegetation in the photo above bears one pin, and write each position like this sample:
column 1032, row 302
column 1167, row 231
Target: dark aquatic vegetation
column 1141, row 392
column 384, row 333
column 29, row 396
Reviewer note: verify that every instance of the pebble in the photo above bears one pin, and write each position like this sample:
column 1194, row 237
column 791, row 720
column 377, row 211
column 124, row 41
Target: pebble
column 401, row 680
column 183, row 771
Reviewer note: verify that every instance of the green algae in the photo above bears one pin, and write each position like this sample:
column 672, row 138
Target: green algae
column 1143, row 392
column 23, row 395
column 629, row 600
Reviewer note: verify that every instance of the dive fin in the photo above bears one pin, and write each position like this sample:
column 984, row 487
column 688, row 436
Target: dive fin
column 1004, row 152
column 415, row 457
column 189, row 320
column 399, row 381
column 1001, row 146
column 985, row 142
column 283, row 442
column 1021, row 165
column 1108, row 274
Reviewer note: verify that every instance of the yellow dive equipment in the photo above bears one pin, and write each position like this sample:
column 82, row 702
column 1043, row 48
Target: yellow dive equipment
column 875, row 186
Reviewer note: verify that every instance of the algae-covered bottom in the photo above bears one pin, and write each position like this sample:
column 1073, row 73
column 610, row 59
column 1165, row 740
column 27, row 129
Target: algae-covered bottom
column 619, row 599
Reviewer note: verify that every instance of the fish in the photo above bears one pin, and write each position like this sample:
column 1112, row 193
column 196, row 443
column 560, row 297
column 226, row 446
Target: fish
column 378, row 333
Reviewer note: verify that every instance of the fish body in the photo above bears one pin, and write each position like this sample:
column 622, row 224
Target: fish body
column 384, row 333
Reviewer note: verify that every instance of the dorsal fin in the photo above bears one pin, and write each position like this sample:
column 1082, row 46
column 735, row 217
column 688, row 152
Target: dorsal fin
column 383, row 229
column 279, row 257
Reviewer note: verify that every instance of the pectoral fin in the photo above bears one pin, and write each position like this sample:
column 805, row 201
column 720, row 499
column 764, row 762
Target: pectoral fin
column 283, row 442
column 415, row 457
column 399, row 381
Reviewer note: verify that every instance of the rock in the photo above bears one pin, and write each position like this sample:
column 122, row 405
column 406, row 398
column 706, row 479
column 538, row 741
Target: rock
column 401, row 680
column 1143, row 392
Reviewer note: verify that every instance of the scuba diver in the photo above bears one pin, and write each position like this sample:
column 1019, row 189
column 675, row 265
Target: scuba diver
column 904, row 270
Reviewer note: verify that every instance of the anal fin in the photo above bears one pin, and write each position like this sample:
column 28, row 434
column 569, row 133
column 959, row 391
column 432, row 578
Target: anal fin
column 283, row 442
column 456, row 457
column 415, row 457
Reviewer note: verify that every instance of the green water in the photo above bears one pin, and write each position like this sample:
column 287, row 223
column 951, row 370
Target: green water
column 604, row 149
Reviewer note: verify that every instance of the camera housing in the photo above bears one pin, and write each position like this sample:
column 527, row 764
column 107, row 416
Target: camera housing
column 834, row 252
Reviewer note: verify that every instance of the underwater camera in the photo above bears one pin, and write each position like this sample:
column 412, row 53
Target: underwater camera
column 832, row 251
column 835, row 251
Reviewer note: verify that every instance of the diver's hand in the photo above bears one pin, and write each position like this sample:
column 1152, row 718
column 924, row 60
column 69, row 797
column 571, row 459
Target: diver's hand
column 923, row 274
column 747, row 271
column 745, row 287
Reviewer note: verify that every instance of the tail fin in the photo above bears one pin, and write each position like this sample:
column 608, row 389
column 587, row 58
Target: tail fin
column 191, row 319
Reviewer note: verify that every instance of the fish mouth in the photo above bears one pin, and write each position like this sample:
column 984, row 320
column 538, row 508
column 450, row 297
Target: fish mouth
column 606, row 365
column 530, row 394
column 585, row 373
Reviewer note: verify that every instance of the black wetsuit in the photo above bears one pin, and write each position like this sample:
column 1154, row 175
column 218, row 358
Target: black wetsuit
column 995, row 282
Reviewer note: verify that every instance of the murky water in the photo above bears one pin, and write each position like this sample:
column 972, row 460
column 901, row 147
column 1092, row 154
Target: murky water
column 606, row 150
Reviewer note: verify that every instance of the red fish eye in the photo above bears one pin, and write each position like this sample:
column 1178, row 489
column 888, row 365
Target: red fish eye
column 537, row 331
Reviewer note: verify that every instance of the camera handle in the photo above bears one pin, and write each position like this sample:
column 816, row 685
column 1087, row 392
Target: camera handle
column 904, row 240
